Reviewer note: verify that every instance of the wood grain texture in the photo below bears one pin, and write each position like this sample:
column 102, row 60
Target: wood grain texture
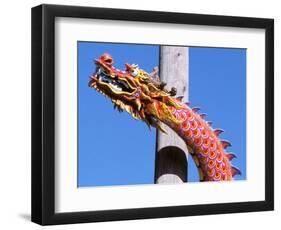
column 171, row 158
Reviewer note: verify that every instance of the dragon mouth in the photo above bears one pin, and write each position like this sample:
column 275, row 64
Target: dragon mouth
column 109, row 85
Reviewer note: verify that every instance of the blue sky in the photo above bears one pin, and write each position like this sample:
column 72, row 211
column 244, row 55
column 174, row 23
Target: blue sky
column 115, row 149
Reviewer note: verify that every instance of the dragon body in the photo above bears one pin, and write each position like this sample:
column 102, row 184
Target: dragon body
column 145, row 98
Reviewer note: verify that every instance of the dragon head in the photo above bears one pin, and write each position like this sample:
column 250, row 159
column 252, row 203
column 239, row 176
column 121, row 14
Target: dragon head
column 133, row 90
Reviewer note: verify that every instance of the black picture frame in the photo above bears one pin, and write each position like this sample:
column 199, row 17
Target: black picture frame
column 43, row 110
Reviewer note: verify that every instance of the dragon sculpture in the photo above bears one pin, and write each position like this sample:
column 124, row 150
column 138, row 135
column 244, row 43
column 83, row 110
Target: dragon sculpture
column 144, row 97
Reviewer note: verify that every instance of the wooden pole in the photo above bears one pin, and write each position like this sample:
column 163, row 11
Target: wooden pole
column 171, row 151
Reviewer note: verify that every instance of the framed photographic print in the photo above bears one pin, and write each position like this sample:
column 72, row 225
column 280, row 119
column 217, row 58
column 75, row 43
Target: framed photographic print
column 143, row 114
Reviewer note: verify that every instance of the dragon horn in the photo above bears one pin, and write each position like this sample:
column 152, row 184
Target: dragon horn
column 203, row 115
column 230, row 156
column 218, row 131
column 235, row 171
column 180, row 98
column 209, row 123
column 225, row 144
column 195, row 109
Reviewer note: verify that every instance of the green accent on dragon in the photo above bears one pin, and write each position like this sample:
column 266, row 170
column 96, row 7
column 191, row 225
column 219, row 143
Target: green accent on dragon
column 145, row 98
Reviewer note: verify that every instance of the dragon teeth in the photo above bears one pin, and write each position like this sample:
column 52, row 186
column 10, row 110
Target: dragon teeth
column 127, row 109
column 122, row 105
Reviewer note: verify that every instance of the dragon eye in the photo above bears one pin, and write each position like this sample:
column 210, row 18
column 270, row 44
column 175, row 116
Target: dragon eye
column 134, row 72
